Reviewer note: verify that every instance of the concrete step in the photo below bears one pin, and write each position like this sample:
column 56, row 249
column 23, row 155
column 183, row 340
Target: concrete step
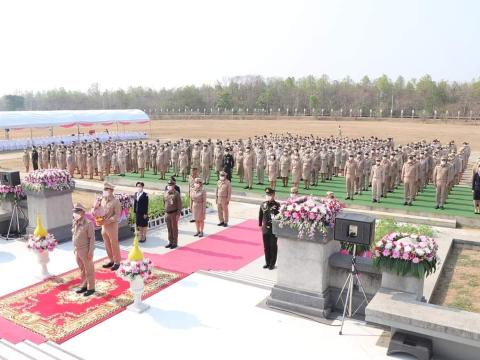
column 36, row 351
column 241, row 278
column 13, row 352
column 59, row 352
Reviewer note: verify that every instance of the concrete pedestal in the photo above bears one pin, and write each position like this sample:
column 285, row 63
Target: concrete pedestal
column 408, row 284
column 303, row 272
column 55, row 210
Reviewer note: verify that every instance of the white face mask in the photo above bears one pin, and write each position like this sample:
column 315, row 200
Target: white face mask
column 106, row 193
column 170, row 187
column 268, row 197
column 222, row 177
column 197, row 186
column 76, row 216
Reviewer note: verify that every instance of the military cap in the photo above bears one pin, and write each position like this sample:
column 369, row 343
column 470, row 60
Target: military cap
column 107, row 185
column 269, row 191
column 171, row 182
column 223, row 173
column 78, row 207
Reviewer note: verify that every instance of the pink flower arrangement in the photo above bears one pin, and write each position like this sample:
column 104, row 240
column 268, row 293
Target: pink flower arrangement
column 130, row 269
column 6, row 190
column 39, row 244
column 309, row 214
column 406, row 254
column 48, row 179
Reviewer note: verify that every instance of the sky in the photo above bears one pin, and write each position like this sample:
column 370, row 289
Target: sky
column 72, row 44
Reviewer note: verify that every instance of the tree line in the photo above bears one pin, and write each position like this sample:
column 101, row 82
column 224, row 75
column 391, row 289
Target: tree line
column 423, row 95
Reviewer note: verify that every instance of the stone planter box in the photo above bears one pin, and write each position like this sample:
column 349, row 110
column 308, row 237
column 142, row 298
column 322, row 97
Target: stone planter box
column 303, row 273
column 55, row 210
column 124, row 231
column 409, row 284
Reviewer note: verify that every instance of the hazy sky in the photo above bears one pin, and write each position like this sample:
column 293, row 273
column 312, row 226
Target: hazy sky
column 72, row 44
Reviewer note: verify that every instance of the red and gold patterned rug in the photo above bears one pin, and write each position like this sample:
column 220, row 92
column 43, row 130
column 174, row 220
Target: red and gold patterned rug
column 53, row 310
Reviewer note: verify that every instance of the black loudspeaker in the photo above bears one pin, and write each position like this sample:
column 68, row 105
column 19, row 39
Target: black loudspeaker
column 11, row 178
column 354, row 228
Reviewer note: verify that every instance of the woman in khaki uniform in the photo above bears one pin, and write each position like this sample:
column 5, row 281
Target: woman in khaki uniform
column 199, row 206
column 272, row 168
column 83, row 237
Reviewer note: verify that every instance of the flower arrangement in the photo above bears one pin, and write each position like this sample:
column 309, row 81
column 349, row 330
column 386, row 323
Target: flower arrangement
column 309, row 214
column 15, row 191
column 48, row 179
column 129, row 269
column 406, row 254
column 40, row 243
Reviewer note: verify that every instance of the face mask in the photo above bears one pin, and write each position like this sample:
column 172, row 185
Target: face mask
column 106, row 193
column 268, row 197
column 170, row 187
column 197, row 186
column 76, row 216
column 222, row 177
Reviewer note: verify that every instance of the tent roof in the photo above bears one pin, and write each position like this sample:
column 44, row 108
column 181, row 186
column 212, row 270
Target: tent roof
column 68, row 118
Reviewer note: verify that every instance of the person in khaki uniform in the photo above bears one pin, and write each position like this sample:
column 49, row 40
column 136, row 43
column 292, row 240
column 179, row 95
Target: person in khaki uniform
column 240, row 169
column 377, row 178
column 183, row 164
column 296, row 168
column 359, row 174
column 111, row 209
column 307, row 169
column 90, row 166
column 141, row 161
column 248, row 165
column 272, row 168
column 261, row 163
column 409, row 177
column 191, row 186
column 367, row 169
column 386, row 164
column 350, row 172
column 440, row 181
column 205, row 164
column 199, row 206
column 223, row 196
column 173, row 207
column 285, row 165
column 26, row 160
column 70, row 162
column 83, row 238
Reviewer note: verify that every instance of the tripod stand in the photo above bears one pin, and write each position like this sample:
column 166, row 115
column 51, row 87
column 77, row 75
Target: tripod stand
column 16, row 209
column 349, row 282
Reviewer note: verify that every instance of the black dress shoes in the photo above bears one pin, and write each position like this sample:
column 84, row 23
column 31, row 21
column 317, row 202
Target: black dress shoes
column 173, row 247
column 168, row 246
column 82, row 290
column 271, row 267
column 225, row 224
column 192, row 221
column 221, row 224
column 264, row 266
column 108, row 265
column 115, row 267
column 89, row 292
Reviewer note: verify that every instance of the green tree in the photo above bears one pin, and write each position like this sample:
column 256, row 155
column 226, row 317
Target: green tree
column 14, row 102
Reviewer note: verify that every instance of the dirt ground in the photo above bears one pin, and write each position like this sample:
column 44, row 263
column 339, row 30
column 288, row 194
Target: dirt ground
column 460, row 285
column 402, row 131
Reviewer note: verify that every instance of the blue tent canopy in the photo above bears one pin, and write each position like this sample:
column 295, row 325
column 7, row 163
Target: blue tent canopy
column 68, row 118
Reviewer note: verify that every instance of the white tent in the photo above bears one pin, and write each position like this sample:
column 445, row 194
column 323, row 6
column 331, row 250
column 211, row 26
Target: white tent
column 69, row 118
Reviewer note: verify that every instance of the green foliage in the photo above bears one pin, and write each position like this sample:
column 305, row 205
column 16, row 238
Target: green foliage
column 13, row 102
column 404, row 268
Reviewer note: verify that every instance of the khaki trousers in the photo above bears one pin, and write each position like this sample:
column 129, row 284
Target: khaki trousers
column 260, row 174
column 87, row 270
column 110, row 238
column 172, row 227
column 376, row 189
column 222, row 208
column 350, row 184
column 441, row 193
column 249, row 176
column 409, row 190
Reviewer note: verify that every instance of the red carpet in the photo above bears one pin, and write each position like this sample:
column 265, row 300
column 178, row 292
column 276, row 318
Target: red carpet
column 227, row 250
column 52, row 310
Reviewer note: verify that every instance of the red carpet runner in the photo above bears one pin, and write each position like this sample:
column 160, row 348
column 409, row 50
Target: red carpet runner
column 227, row 250
column 52, row 310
